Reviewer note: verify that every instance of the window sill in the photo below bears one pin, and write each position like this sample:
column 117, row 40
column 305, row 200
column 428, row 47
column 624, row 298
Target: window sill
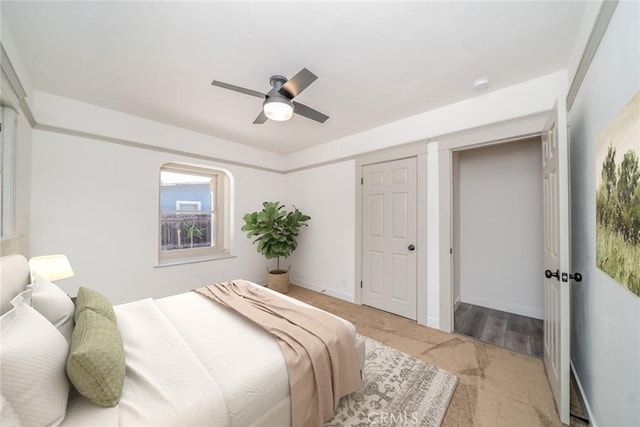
column 171, row 263
column 10, row 237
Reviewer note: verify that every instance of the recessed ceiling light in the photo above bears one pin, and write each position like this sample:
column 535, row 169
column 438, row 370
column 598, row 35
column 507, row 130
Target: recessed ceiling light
column 482, row 83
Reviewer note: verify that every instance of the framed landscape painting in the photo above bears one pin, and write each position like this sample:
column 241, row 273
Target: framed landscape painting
column 618, row 197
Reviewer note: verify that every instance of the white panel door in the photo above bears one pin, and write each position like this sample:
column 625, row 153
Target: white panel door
column 389, row 232
column 556, row 257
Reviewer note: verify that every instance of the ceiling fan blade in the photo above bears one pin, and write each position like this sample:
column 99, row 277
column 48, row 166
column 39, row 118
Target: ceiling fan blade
column 262, row 117
column 238, row 89
column 298, row 83
column 309, row 112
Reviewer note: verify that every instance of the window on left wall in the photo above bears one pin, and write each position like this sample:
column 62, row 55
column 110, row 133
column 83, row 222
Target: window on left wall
column 7, row 172
column 194, row 214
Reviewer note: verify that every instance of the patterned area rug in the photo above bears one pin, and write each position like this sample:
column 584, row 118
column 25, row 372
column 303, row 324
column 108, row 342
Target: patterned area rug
column 397, row 390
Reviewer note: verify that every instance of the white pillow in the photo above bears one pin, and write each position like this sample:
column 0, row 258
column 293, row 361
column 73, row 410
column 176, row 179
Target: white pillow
column 54, row 304
column 33, row 356
column 23, row 297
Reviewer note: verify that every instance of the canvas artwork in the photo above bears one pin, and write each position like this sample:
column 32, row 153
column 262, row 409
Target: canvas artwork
column 618, row 197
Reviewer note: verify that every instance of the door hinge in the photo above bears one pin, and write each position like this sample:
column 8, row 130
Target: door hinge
column 361, row 284
column 361, row 181
column 451, row 250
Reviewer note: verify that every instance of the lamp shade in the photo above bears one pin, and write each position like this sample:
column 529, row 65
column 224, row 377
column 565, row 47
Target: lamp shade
column 278, row 108
column 51, row 267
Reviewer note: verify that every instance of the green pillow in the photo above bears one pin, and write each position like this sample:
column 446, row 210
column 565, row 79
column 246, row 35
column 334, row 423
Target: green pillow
column 92, row 300
column 96, row 365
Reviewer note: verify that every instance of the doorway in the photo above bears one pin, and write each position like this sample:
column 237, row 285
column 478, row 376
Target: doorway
column 497, row 241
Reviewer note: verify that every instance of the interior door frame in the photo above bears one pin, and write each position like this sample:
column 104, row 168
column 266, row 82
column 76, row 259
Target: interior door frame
column 419, row 151
column 498, row 133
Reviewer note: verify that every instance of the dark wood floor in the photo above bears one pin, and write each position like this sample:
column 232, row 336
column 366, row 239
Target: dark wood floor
column 518, row 333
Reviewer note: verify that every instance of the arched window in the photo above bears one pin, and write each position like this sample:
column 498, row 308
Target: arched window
column 195, row 213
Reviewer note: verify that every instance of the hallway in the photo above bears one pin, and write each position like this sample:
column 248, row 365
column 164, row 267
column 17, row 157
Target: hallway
column 512, row 331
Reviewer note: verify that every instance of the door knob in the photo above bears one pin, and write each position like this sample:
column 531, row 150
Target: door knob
column 411, row 247
column 548, row 274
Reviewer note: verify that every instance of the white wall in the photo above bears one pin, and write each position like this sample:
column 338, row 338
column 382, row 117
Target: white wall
column 324, row 260
column 433, row 237
column 605, row 338
column 499, row 228
column 455, row 213
column 97, row 202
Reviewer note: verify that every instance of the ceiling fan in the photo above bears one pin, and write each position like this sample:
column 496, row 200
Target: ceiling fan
column 278, row 102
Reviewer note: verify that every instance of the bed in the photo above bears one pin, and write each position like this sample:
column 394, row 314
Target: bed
column 189, row 361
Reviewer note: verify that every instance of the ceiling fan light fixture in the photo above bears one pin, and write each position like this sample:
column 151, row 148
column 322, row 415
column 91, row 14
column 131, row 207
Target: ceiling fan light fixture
column 278, row 109
column 278, row 103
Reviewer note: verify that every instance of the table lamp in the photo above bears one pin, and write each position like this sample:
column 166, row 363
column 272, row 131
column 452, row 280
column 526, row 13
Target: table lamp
column 51, row 267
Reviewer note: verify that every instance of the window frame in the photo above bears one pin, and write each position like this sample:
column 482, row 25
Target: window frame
column 181, row 203
column 220, row 212
column 7, row 172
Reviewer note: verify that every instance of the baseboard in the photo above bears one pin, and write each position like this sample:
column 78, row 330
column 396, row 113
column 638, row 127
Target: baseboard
column 592, row 420
column 330, row 292
column 456, row 303
column 433, row 322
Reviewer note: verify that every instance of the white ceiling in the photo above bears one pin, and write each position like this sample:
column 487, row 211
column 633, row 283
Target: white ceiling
column 377, row 62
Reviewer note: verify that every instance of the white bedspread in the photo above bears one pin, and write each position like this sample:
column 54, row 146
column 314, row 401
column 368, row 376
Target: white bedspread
column 165, row 382
column 191, row 361
column 245, row 360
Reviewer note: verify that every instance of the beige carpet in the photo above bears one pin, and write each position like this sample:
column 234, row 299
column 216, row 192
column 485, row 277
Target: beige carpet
column 496, row 387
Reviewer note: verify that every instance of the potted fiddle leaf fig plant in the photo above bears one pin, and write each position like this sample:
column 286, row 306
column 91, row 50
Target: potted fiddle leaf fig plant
column 275, row 230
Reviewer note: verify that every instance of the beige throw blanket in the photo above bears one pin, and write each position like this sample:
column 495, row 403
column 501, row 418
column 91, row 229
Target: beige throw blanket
column 312, row 342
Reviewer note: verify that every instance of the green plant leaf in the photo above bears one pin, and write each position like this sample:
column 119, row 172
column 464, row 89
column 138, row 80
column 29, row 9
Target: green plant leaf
column 274, row 229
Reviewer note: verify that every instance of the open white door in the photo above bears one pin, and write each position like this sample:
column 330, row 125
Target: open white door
column 555, row 176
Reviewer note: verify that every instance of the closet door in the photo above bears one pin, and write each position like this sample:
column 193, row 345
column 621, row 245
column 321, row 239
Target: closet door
column 389, row 231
